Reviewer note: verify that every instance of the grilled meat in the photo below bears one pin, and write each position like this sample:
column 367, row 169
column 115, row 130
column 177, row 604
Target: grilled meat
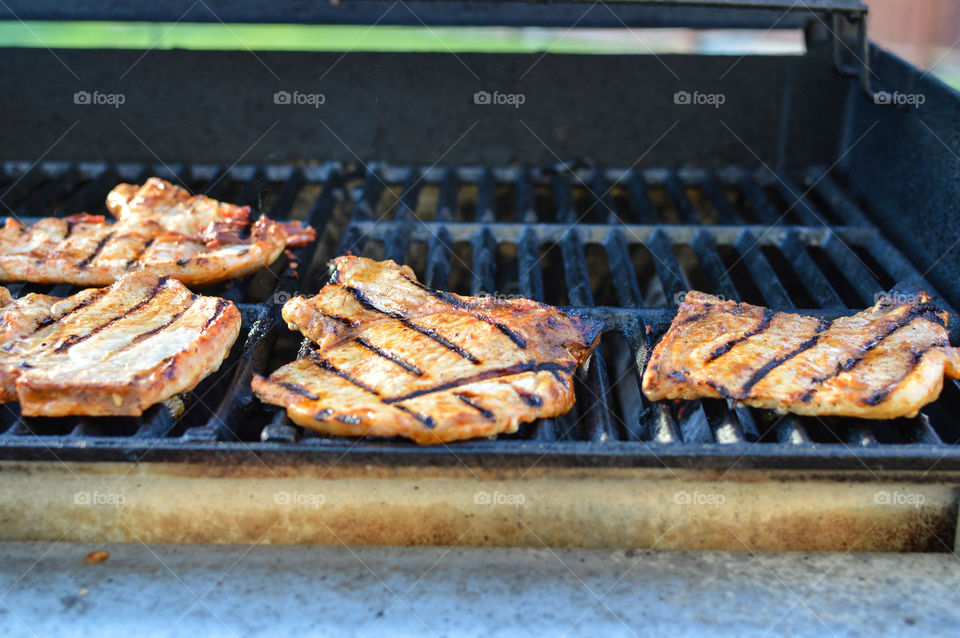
column 160, row 228
column 395, row 358
column 110, row 351
column 885, row 362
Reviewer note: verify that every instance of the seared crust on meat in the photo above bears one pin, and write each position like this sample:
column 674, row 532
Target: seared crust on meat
column 111, row 351
column 885, row 362
column 160, row 228
column 395, row 358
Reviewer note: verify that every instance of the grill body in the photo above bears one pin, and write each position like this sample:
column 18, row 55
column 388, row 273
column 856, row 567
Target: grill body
column 600, row 194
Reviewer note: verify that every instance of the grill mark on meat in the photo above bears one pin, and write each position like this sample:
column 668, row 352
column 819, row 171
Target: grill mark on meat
column 296, row 388
column 155, row 331
column 757, row 376
column 341, row 320
column 326, row 366
column 487, row 414
column 426, row 419
column 75, row 339
column 143, row 249
column 518, row 368
column 49, row 320
column 698, row 316
column 365, row 302
column 389, row 356
column 459, row 304
column 443, row 341
column 533, row 400
column 768, row 316
column 96, row 251
column 221, row 306
column 855, row 360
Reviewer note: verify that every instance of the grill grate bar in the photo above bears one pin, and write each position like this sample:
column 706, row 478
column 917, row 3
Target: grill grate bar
column 825, row 187
column 575, row 270
column 530, row 277
column 706, row 249
column 671, row 184
column 486, row 198
column 484, row 263
column 723, row 422
column 642, row 206
column 666, row 266
column 89, row 198
column 796, row 200
column 759, row 203
column 621, row 269
column 726, row 214
column 853, row 269
column 43, row 199
column 774, row 294
column 809, row 273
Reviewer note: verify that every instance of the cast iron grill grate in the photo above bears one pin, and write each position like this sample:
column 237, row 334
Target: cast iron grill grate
column 621, row 246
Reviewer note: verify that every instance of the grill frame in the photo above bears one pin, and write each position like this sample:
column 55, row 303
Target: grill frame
column 655, row 443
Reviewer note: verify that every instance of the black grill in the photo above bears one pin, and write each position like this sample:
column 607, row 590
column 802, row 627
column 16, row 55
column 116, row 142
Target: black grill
column 621, row 246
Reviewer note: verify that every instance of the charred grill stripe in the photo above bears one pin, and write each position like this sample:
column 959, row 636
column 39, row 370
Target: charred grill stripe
column 519, row 368
column 443, row 341
column 349, row 323
column 697, row 316
column 221, row 306
column 73, row 340
column 922, row 311
column 296, row 388
column 512, row 335
column 533, row 400
column 426, row 419
column 96, row 251
column 50, row 320
column 460, row 304
column 326, row 366
column 143, row 336
column 487, row 414
column 365, row 302
column 389, row 356
column 143, row 249
column 757, row 376
column 768, row 316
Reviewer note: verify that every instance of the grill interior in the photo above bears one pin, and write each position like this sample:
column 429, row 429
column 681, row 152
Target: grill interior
column 621, row 246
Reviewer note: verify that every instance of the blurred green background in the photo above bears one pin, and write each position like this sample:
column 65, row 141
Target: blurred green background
column 944, row 60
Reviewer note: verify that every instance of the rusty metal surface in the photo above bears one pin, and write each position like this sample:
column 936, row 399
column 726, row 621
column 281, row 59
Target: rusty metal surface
column 363, row 505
